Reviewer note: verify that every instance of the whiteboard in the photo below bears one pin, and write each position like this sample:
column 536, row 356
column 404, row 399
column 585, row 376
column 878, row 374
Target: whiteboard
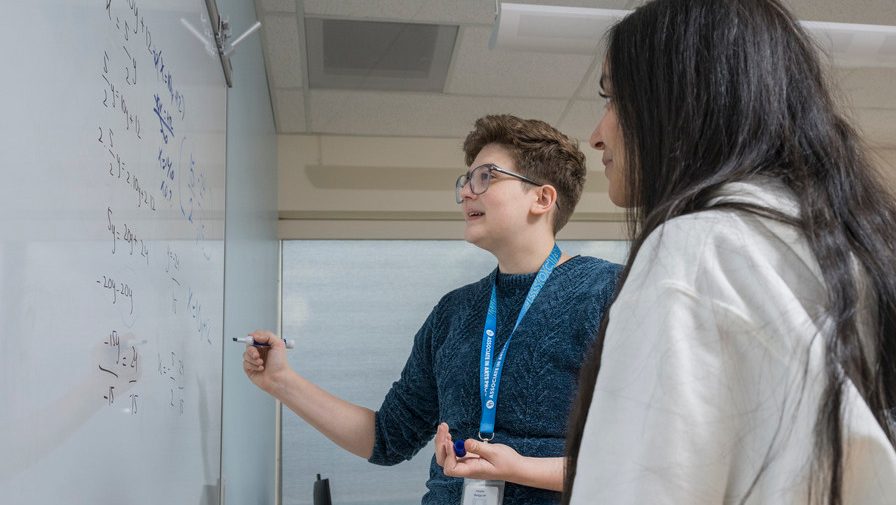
column 111, row 253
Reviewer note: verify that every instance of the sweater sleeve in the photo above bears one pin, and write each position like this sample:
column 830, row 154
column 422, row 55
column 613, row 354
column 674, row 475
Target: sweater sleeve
column 408, row 417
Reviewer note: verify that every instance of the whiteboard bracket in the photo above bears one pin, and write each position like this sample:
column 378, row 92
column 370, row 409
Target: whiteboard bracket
column 225, row 47
column 221, row 28
column 232, row 45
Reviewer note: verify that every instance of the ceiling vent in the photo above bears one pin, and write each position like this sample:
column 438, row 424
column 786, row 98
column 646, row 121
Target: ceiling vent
column 374, row 55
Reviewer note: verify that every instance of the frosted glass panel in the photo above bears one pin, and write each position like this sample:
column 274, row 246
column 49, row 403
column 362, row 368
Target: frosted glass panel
column 354, row 308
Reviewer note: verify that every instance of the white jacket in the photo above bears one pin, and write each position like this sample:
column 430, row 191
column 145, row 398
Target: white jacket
column 713, row 366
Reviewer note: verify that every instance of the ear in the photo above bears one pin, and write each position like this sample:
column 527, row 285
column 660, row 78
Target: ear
column 546, row 198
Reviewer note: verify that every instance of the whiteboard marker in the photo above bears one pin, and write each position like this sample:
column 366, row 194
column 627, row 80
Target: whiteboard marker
column 459, row 449
column 249, row 340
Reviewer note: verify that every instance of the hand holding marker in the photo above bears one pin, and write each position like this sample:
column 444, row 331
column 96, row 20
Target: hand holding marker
column 251, row 341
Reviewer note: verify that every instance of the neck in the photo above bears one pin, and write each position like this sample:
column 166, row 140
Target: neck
column 525, row 258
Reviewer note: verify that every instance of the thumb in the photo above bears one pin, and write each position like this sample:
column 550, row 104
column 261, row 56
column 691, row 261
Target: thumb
column 266, row 337
column 482, row 449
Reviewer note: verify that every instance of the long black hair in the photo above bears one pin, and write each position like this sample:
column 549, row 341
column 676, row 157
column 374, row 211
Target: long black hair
column 709, row 92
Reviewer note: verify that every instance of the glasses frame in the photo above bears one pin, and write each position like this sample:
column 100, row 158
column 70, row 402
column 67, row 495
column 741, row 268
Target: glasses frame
column 464, row 179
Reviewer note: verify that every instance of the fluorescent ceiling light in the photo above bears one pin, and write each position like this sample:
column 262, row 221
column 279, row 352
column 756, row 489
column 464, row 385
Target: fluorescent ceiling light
column 852, row 45
column 580, row 30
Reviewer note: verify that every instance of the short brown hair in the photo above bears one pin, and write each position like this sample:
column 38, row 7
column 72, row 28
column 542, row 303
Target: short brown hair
column 541, row 152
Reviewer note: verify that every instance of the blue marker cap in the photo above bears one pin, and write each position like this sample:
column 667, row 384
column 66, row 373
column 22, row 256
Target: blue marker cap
column 459, row 450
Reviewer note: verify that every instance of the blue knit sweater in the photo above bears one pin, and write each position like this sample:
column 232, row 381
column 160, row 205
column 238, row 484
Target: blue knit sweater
column 440, row 381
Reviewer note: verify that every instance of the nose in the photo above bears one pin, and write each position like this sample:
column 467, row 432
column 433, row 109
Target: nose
column 465, row 192
column 596, row 140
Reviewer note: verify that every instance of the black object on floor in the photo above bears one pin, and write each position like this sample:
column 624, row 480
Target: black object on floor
column 322, row 491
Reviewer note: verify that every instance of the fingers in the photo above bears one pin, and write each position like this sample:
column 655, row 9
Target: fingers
column 442, row 444
column 251, row 368
column 253, row 361
column 470, row 465
column 452, row 466
column 443, row 432
column 492, row 461
column 252, row 356
column 267, row 337
column 255, row 358
column 438, row 443
column 476, row 447
column 449, row 460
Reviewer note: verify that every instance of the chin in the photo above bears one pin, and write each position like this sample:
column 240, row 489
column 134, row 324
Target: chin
column 477, row 239
column 472, row 238
column 618, row 199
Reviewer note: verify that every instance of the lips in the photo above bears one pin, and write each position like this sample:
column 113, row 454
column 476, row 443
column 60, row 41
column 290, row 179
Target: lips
column 473, row 214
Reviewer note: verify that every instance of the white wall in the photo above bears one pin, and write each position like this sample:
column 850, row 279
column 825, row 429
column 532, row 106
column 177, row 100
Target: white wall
column 392, row 187
column 885, row 159
column 342, row 187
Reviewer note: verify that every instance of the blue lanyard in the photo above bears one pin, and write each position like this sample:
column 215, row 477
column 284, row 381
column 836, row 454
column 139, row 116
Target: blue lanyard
column 490, row 374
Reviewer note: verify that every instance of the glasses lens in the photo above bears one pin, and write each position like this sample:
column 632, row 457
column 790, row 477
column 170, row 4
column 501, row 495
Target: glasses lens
column 458, row 187
column 479, row 179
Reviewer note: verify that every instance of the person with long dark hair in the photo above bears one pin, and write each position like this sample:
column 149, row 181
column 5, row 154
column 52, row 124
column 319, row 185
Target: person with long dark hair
column 750, row 354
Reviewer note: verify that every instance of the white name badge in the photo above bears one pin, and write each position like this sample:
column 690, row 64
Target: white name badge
column 483, row 492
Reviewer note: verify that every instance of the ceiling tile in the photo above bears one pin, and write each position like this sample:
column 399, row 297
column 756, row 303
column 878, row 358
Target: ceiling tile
column 581, row 118
column 481, row 71
column 281, row 37
column 289, row 110
column 278, row 5
column 415, row 114
column 484, row 73
column 590, row 88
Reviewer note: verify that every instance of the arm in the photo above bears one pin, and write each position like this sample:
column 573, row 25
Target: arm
column 348, row 425
column 497, row 462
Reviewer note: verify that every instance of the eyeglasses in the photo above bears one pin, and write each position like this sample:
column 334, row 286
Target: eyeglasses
column 480, row 178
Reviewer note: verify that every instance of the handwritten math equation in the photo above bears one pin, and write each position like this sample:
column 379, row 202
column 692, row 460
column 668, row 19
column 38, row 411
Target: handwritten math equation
column 155, row 177
column 120, row 369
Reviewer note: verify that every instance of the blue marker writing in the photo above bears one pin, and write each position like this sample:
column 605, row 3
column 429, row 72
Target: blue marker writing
column 459, row 449
column 251, row 341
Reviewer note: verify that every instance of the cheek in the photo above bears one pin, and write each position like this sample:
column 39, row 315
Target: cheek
column 617, row 185
column 619, row 173
column 613, row 132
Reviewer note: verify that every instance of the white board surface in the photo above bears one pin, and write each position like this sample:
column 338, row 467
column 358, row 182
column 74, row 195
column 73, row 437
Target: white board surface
column 112, row 153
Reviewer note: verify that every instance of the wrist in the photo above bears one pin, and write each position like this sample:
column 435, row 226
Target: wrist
column 517, row 470
column 279, row 383
column 543, row 473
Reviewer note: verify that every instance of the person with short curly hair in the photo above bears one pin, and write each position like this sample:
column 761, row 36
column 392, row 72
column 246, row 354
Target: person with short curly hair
column 465, row 377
